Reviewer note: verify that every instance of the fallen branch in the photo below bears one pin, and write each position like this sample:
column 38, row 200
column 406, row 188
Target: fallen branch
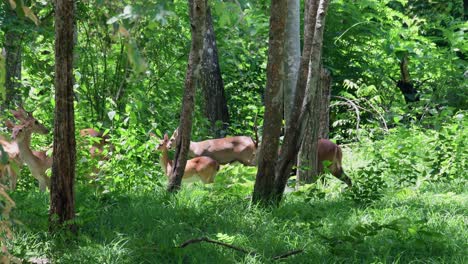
column 205, row 239
column 201, row 239
column 287, row 254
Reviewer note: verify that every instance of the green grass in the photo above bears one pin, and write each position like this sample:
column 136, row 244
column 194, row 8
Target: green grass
column 410, row 225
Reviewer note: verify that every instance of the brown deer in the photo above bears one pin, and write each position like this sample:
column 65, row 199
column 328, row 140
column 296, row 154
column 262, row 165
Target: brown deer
column 10, row 162
column 38, row 162
column 99, row 141
column 224, row 150
column 329, row 151
column 203, row 168
column 244, row 150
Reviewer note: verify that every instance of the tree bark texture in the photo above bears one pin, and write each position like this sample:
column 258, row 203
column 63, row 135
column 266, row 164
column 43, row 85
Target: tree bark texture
column 312, row 53
column 263, row 189
column 292, row 56
column 211, row 82
column 13, row 51
column 62, row 197
column 307, row 156
column 197, row 10
column 291, row 142
column 324, row 113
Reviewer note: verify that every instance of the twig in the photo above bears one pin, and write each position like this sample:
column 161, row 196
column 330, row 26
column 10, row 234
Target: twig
column 201, row 239
column 287, row 254
column 205, row 239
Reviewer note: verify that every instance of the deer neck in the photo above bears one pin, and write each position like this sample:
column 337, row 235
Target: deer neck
column 25, row 151
column 166, row 164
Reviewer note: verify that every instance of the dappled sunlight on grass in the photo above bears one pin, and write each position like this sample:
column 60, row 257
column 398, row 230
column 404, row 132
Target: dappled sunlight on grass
column 405, row 225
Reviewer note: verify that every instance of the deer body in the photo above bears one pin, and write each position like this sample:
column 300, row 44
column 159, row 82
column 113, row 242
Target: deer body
column 14, row 159
column 226, row 150
column 37, row 164
column 203, row 168
column 223, row 150
column 330, row 151
column 6, row 169
column 97, row 147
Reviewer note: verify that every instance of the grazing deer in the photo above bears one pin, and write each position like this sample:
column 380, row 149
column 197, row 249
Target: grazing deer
column 331, row 152
column 224, row 150
column 203, row 168
column 37, row 161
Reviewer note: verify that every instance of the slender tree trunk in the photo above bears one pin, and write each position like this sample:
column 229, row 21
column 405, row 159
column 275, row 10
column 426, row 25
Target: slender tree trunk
column 62, row 196
column 292, row 56
column 307, row 158
column 211, row 81
column 264, row 182
column 197, row 10
column 13, row 51
column 291, row 142
column 312, row 50
column 324, row 113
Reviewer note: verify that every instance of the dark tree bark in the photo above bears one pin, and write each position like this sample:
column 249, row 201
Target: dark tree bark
column 324, row 112
column 197, row 10
column 313, row 40
column 211, row 81
column 263, row 190
column 13, row 51
column 405, row 84
column 62, row 196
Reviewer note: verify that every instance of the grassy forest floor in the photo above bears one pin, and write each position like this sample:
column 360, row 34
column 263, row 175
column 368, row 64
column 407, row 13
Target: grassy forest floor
column 418, row 224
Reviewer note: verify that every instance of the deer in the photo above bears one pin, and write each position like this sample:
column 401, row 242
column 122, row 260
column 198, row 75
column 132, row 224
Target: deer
column 329, row 151
column 98, row 143
column 226, row 150
column 37, row 161
column 203, row 168
column 10, row 162
column 244, row 150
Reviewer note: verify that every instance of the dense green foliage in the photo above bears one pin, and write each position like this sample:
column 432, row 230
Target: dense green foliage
column 407, row 161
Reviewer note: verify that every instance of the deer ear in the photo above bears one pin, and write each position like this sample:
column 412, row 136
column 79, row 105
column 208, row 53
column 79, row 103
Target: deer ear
column 9, row 124
column 17, row 114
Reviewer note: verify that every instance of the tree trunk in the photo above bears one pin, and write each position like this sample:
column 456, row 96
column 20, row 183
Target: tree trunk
column 197, row 10
column 62, row 197
column 13, row 51
column 211, row 81
column 291, row 142
column 292, row 56
column 307, row 160
column 264, row 182
column 294, row 136
column 324, row 112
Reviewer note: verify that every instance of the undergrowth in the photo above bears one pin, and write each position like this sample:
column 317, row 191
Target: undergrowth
column 408, row 204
